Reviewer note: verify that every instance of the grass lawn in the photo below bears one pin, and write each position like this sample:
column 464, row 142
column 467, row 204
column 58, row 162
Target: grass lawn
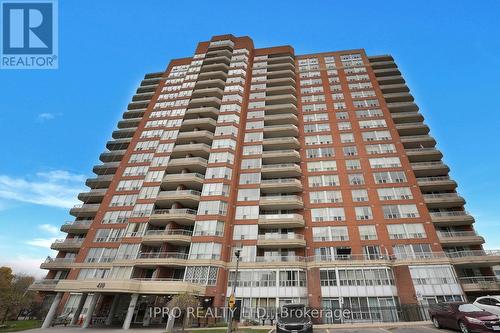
column 20, row 325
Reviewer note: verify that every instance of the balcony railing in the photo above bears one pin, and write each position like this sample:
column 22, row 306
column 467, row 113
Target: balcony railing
column 479, row 279
column 419, row 255
column 441, row 195
column 273, row 217
column 279, row 181
column 81, row 223
column 59, row 260
column 283, row 165
column 181, row 192
column 280, row 197
column 280, row 236
column 174, row 232
column 357, row 257
column 162, row 255
column 433, row 179
column 174, row 211
column 45, row 282
column 473, row 253
column 69, row 241
column 272, row 259
column 452, row 234
column 449, row 214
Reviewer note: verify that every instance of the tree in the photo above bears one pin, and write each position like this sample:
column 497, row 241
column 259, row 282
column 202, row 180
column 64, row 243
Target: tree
column 14, row 293
column 183, row 302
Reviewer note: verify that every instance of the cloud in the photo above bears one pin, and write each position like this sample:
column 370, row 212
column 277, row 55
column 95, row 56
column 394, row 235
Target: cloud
column 45, row 116
column 56, row 188
column 41, row 242
column 22, row 264
column 51, row 229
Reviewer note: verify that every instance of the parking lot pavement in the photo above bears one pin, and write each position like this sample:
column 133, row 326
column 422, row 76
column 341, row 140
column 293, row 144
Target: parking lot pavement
column 411, row 329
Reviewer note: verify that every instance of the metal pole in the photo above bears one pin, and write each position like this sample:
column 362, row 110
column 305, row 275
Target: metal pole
column 233, row 293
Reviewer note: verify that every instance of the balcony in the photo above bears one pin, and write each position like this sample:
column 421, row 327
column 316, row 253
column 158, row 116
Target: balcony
column 214, row 67
column 475, row 257
column 394, row 88
column 162, row 217
column 93, row 196
column 124, row 133
column 195, row 136
column 173, row 236
column 281, row 119
column 281, row 202
column 201, row 112
column 218, row 59
column 417, row 141
column 207, row 92
column 407, row 117
column 209, row 83
column 212, row 76
column 217, row 53
column 276, row 241
column 280, row 185
column 429, row 169
column 281, row 221
column 443, row 200
column 112, row 156
column 384, row 72
column 99, row 182
column 271, row 261
column 57, row 263
column 77, row 227
column 423, row 154
column 281, row 99
column 281, row 59
column 348, row 259
column 284, row 81
column 438, row 183
column 118, row 144
column 84, row 210
column 280, row 109
column 279, row 74
column 190, row 125
column 187, row 198
column 191, row 150
column 44, row 285
column 192, row 164
column 280, row 66
column 281, row 143
column 451, row 218
column 280, row 90
column 273, row 131
column 67, row 245
column 191, row 180
column 277, row 156
column 283, row 170
column 106, row 168
column 134, row 113
column 204, row 101
column 418, row 128
column 457, row 238
column 161, row 258
column 398, row 97
column 402, row 107
column 129, row 123
column 395, row 79
column 484, row 284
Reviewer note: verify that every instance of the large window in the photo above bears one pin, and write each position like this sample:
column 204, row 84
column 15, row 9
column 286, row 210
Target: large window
column 205, row 251
column 406, row 231
column 400, row 211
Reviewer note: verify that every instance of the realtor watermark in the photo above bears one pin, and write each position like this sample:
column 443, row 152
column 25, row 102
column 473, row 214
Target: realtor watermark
column 260, row 312
column 29, row 34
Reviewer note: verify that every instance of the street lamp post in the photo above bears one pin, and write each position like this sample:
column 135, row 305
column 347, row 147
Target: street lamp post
column 232, row 297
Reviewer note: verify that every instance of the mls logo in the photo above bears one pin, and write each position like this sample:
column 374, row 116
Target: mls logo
column 29, row 34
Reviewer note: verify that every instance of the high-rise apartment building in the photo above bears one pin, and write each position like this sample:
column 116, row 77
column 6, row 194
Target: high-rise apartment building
column 319, row 168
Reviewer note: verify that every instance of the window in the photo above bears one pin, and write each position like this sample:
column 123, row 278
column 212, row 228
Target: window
column 123, row 200
column 328, row 214
column 127, row 251
column 254, row 137
column 205, row 251
column 218, row 172
column 154, row 176
column 311, row 128
column 418, row 251
column 406, row 231
column 149, row 192
column 380, row 149
column 224, row 143
column 394, row 193
column 247, row 212
column 385, row 162
column 252, row 150
column 251, row 194
column 367, row 232
column 250, row 178
column 322, row 166
column 245, row 231
column 323, row 180
column 363, row 213
column 222, row 157
column 356, row 179
column 376, row 136
column 344, row 126
column 369, row 113
column 251, row 163
column 389, row 177
column 208, row 228
column 108, row 235
column 400, row 211
column 320, row 152
column 322, row 234
column 350, row 151
column 101, row 254
column 318, row 139
column 141, row 210
column 212, row 208
column 325, row 196
column 226, row 130
column 117, row 216
column 359, row 195
column 215, row 189
column 346, row 137
column 372, row 123
column 353, row 164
